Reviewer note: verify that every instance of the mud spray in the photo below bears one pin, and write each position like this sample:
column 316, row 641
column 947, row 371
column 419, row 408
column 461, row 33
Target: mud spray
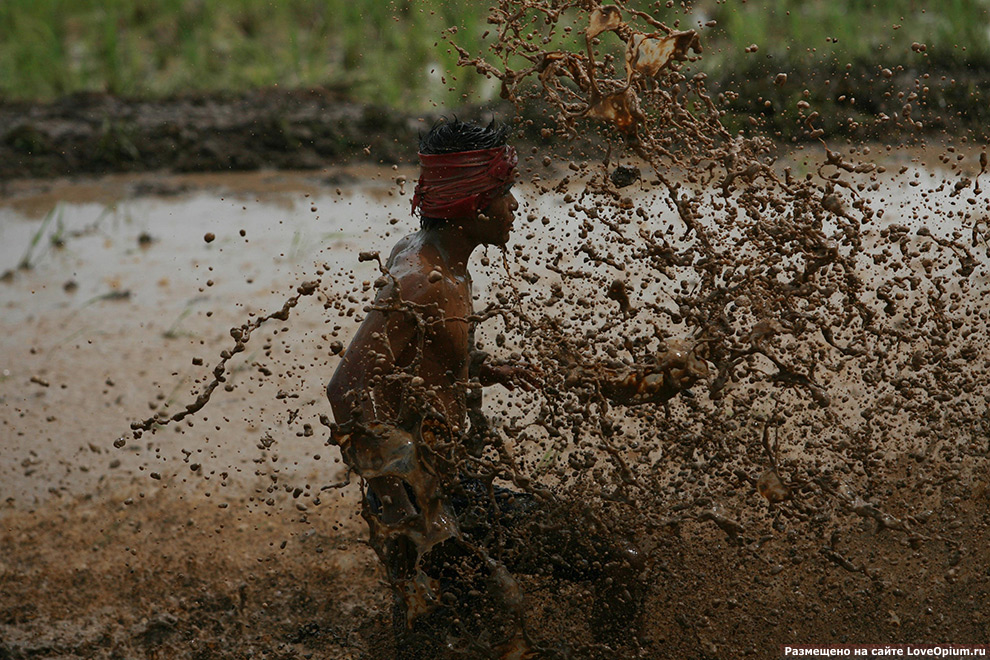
column 745, row 348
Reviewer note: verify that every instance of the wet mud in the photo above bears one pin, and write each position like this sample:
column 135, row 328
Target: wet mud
column 171, row 577
column 120, row 575
column 264, row 129
column 93, row 134
column 764, row 372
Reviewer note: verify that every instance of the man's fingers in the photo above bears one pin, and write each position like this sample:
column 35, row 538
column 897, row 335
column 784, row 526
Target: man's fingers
column 528, row 382
column 524, row 376
column 532, row 376
column 526, row 385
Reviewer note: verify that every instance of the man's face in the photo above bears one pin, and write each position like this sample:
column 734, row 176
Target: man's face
column 496, row 228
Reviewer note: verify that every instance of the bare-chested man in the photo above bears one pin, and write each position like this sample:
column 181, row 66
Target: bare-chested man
column 401, row 397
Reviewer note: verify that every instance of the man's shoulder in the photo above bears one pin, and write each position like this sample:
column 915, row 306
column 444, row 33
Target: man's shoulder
column 415, row 270
column 426, row 286
column 404, row 244
column 407, row 259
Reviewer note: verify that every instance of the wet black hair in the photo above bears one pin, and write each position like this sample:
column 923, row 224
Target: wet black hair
column 448, row 136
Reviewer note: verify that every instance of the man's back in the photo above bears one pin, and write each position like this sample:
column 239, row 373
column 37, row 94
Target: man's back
column 418, row 328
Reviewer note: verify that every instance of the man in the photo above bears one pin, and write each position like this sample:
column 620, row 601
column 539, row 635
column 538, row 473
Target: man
column 400, row 394
column 401, row 397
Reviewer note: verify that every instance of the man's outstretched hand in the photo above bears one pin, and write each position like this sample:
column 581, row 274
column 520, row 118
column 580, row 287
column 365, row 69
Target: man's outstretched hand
column 528, row 377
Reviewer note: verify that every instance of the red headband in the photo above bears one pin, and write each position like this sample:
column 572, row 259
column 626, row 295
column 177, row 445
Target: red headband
column 460, row 184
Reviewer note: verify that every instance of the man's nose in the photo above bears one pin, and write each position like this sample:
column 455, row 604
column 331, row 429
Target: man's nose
column 513, row 202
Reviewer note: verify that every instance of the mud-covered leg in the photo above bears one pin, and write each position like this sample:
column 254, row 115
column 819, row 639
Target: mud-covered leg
column 570, row 544
column 618, row 595
column 480, row 608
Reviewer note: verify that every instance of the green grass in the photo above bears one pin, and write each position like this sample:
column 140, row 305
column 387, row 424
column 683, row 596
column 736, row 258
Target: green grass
column 30, row 256
column 151, row 48
column 811, row 31
column 383, row 51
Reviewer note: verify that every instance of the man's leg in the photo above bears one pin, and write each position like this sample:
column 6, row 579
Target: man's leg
column 534, row 537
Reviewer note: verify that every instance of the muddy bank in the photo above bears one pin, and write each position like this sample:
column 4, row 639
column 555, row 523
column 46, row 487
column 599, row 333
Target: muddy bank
column 862, row 100
column 311, row 129
column 272, row 129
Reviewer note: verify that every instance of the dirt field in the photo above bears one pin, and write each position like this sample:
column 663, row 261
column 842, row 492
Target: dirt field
column 180, row 578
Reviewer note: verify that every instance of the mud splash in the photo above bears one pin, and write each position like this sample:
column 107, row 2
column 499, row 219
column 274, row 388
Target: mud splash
column 755, row 360
column 737, row 326
column 726, row 299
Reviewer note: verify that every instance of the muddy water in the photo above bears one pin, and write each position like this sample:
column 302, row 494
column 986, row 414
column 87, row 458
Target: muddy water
column 126, row 306
column 124, row 289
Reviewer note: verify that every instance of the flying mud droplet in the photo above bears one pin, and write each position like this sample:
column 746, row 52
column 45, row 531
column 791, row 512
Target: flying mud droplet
column 648, row 55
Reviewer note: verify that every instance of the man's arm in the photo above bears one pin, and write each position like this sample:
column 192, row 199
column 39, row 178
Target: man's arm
column 525, row 376
column 676, row 370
